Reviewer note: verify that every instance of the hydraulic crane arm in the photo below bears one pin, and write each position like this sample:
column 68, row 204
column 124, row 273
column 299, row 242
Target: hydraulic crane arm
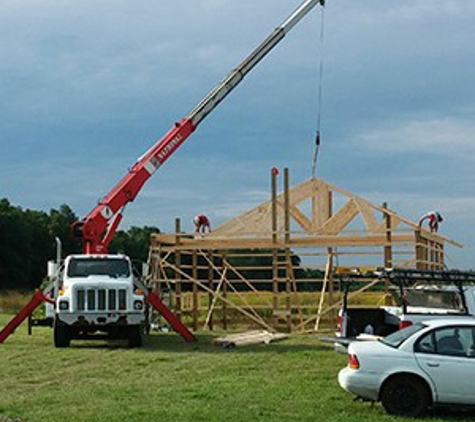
column 98, row 227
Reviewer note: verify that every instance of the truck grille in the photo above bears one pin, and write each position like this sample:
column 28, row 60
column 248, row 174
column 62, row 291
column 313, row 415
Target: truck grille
column 101, row 299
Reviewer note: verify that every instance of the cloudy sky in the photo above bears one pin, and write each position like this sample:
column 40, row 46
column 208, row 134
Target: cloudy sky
column 88, row 86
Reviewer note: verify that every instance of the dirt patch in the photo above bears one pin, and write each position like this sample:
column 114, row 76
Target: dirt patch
column 7, row 419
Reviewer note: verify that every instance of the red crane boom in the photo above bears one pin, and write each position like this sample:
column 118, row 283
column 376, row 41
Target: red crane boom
column 99, row 226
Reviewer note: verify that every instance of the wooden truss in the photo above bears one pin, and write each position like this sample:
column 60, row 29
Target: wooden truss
column 315, row 220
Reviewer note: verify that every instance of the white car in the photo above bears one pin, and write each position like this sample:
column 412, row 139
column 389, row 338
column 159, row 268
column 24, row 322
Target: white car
column 422, row 366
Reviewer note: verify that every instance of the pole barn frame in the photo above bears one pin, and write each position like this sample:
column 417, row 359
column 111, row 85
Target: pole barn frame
column 325, row 226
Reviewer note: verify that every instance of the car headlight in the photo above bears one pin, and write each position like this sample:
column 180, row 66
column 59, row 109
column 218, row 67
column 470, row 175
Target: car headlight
column 138, row 305
column 63, row 305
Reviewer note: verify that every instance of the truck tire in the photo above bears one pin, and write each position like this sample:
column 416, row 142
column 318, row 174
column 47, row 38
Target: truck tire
column 62, row 336
column 405, row 396
column 135, row 336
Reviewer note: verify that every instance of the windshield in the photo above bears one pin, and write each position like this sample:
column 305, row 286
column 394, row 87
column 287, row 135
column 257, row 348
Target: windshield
column 116, row 268
column 397, row 338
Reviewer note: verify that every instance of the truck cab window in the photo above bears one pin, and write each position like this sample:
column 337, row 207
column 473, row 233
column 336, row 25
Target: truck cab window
column 114, row 268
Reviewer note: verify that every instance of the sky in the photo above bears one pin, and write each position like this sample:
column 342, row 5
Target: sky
column 87, row 87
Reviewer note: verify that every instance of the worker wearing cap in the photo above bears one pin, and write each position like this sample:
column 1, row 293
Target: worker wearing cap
column 201, row 223
column 434, row 219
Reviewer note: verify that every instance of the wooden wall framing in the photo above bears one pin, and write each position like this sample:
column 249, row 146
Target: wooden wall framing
column 326, row 226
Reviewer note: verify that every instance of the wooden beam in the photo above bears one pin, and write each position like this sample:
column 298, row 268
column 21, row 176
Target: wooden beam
column 257, row 221
column 340, row 219
column 321, row 205
column 367, row 215
column 323, row 241
column 301, row 219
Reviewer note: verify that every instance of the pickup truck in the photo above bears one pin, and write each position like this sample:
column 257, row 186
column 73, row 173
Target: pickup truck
column 418, row 295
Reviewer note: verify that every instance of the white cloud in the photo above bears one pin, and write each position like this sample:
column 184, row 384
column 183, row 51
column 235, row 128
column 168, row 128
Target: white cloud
column 446, row 136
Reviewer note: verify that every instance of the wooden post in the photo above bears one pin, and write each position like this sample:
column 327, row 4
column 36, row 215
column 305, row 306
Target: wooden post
column 441, row 258
column 211, row 289
column 326, row 280
column 418, row 249
column 288, row 286
column 157, row 279
column 178, row 307
column 194, row 261
column 275, row 256
column 427, row 250
column 224, row 292
column 433, row 255
column 331, row 252
column 388, row 253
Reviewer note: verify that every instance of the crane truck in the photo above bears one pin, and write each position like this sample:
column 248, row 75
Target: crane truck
column 96, row 291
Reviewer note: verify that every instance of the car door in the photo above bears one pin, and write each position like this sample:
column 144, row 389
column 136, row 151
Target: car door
column 447, row 356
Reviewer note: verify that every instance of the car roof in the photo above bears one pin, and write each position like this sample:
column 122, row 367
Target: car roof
column 440, row 322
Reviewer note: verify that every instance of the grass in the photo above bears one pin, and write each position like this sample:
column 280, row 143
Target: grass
column 12, row 301
column 306, row 302
column 170, row 380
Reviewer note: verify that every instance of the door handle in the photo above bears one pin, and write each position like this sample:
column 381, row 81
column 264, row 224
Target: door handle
column 433, row 364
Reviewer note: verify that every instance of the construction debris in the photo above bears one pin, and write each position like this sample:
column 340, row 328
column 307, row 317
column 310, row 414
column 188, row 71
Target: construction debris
column 247, row 338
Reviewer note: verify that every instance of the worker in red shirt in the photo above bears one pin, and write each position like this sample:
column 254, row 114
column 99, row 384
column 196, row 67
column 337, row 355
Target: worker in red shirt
column 201, row 223
column 434, row 219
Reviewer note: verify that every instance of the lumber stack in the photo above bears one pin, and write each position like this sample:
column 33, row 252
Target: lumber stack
column 248, row 338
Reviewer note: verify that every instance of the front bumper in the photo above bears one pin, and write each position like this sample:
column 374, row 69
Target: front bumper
column 101, row 319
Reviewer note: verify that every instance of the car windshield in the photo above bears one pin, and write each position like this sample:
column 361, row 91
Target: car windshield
column 397, row 338
column 115, row 268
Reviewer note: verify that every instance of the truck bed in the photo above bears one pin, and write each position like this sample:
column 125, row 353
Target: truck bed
column 373, row 321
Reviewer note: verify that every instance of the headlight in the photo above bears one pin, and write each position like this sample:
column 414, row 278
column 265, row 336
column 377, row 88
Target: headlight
column 138, row 305
column 63, row 305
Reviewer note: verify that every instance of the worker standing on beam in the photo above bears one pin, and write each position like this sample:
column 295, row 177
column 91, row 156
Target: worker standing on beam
column 434, row 219
column 201, row 223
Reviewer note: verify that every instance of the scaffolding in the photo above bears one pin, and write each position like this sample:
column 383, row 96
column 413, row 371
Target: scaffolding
column 274, row 266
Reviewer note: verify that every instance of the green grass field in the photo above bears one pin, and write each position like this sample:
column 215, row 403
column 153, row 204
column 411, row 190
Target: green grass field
column 170, row 380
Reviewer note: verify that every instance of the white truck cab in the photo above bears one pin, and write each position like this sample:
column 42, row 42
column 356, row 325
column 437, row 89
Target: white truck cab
column 96, row 294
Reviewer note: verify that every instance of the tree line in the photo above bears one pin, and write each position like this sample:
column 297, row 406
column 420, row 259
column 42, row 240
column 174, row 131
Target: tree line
column 28, row 243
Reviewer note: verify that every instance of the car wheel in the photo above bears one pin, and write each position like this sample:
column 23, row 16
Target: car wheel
column 405, row 396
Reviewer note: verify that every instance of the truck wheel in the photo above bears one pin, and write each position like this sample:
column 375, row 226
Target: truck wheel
column 135, row 336
column 61, row 334
column 405, row 396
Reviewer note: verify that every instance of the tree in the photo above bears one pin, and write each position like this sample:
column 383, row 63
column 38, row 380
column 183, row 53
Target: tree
column 60, row 222
column 135, row 242
column 28, row 243
column 13, row 235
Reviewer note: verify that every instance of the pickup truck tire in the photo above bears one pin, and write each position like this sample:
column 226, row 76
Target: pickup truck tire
column 405, row 395
column 61, row 334
column 135, row 336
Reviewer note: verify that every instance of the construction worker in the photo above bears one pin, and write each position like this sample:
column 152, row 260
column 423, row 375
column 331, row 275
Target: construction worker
column 201, row 223
column 434, row 219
